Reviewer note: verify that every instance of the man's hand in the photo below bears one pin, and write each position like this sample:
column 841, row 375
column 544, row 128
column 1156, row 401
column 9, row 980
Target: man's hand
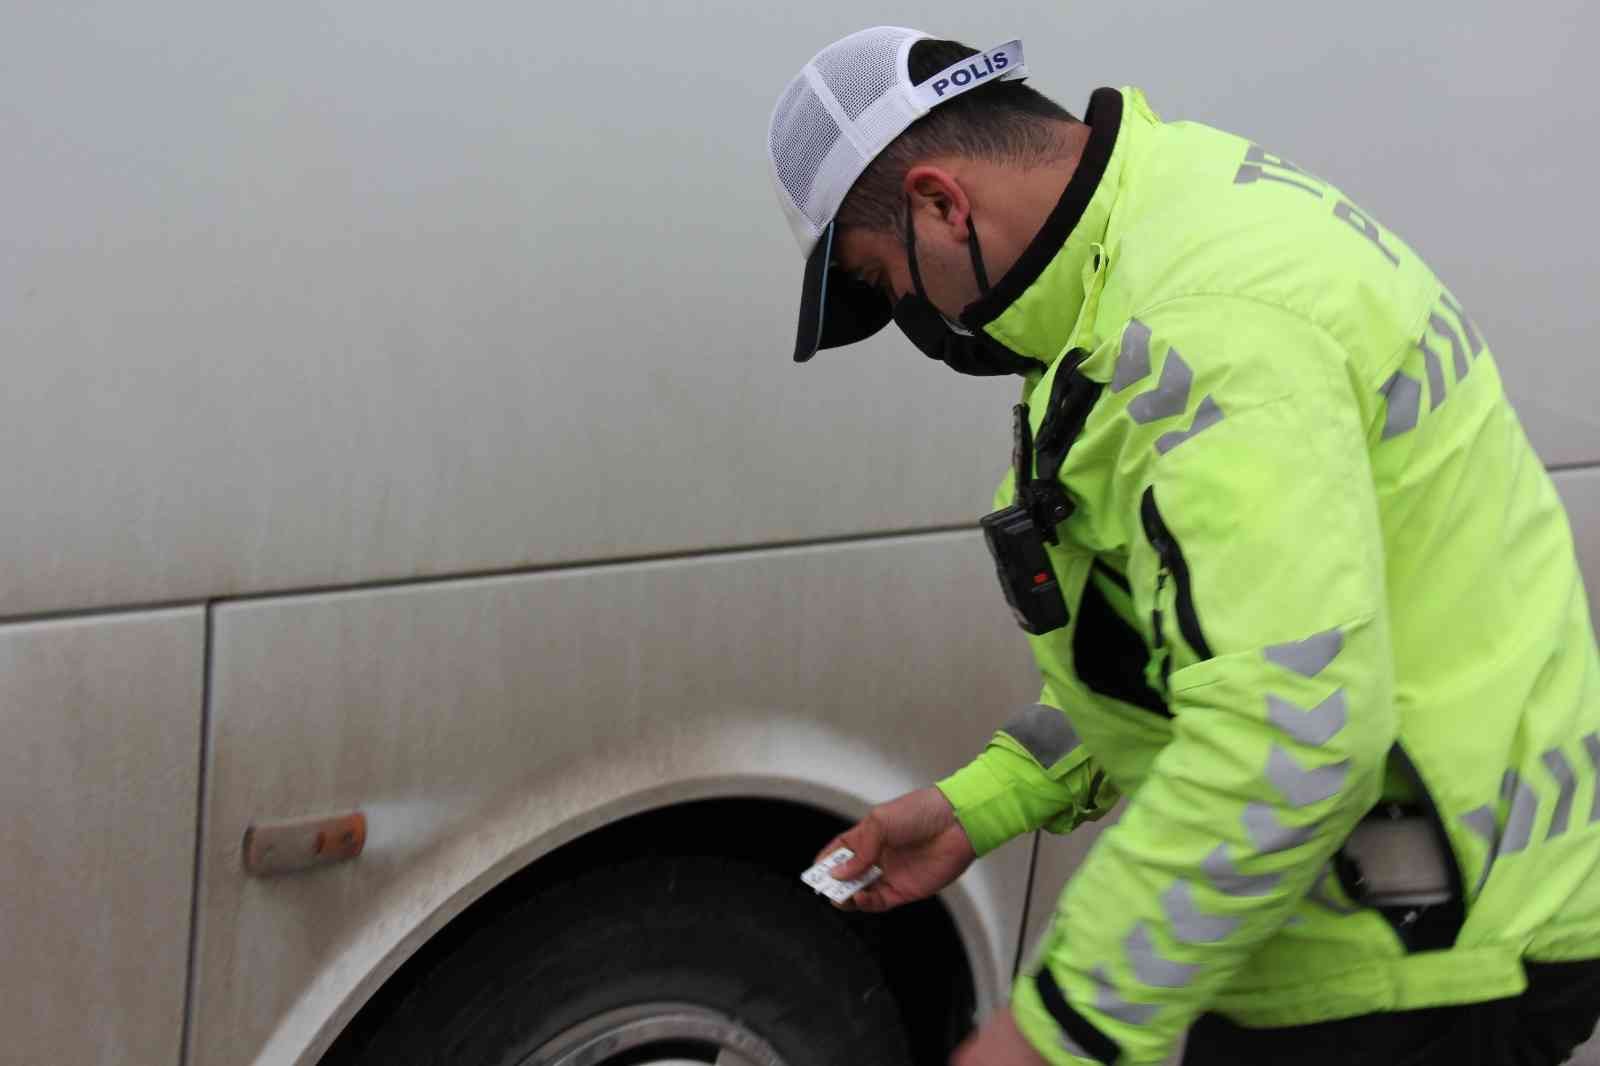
column 998, row 1043
column 917, row 842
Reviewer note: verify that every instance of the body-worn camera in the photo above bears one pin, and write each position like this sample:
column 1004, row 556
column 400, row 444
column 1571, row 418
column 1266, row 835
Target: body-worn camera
column 1017, row 534
column 1026, row 576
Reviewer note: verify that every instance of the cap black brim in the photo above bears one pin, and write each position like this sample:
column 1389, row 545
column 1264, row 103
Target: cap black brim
column 835, row 309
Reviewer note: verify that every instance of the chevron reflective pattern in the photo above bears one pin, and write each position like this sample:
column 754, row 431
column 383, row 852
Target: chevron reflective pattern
column 1271, row 835
column 1312, row 726
column 1405, row 404
column 1108, row 1001
column 1449, row 340
column 1226, row 878
column 1188, row 923
column 1302, row 787
column 1208, row 415
column 1308, row 657
column 1510, row 825
column 1133, row 361
column 1150, row 967
column 1171, row 395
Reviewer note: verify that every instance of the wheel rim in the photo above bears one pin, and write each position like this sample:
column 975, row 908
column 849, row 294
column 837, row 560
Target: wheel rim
column 656, row 1034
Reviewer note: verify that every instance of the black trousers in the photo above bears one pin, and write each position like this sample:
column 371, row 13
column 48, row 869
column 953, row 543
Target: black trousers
column 1541, row 1027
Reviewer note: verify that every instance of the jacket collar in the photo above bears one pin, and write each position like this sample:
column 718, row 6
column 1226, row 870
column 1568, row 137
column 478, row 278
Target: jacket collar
column 1032, row 309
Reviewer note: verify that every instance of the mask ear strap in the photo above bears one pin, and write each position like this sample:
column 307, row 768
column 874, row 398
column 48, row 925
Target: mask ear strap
column 911, row 254
column 977, row 257
column 978, row 272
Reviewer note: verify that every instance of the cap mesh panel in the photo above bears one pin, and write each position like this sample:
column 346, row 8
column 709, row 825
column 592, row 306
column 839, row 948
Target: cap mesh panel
column 849, row 101
column 860, row 69
column 802, row 133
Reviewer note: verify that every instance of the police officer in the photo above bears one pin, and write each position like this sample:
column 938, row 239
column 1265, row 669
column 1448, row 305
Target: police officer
column 1301, row 593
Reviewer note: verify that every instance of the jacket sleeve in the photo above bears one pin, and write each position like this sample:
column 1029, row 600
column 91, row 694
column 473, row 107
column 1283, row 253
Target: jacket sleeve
column 1033, row 774
column 1257, row 526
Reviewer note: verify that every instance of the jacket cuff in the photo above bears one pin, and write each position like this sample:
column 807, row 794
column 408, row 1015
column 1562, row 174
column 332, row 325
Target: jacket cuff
column 1003, row 794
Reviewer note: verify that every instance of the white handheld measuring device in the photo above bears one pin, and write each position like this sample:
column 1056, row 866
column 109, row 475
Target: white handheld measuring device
column 825, row 884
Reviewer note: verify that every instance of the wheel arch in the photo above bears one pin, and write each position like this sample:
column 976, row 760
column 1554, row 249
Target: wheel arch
column 925, row 956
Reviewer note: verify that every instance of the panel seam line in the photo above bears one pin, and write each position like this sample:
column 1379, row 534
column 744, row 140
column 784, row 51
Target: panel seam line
column 533, row 570
column 192, row 974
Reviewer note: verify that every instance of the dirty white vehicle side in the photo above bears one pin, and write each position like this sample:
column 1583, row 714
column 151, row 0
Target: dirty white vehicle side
column 397, row 420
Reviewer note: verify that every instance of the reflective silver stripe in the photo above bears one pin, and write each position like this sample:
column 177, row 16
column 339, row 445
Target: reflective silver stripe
column 1300, row 787
column 1109, row 1001
column 1226, row 878
column 1313, row 727
column 1170, row 397
column 1519, row 822
column 1365, row 226
column 1207, row 415
column 1271, row 835
column 1188, row 924
column 1322, row 896
column 1473, row 340
column 1481, row 820
column 1430, row 359
column 1442, row 327
column 1151, row 969
column 1044, row 732
column 1560, row 769
column 1307, row 657
column 1591, row 747
column 1405, row 403
column 1133, row 361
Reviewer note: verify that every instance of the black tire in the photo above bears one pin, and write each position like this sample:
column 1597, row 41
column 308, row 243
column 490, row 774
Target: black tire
column 760, row 950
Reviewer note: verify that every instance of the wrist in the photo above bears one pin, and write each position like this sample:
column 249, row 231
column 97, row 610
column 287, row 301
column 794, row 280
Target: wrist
column 1003, row 794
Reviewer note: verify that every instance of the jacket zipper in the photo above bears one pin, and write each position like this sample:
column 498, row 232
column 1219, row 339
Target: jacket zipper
column 1172, row 562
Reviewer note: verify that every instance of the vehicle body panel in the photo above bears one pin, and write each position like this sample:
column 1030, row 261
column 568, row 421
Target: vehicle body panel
column 321, row 294
column 98, row 779
column 481, row 723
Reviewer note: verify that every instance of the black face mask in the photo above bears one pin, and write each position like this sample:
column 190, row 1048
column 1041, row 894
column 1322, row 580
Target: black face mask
column 962, row 350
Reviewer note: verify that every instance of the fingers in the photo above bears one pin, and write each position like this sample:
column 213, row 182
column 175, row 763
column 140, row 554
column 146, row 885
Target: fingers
column 875, row 899
column 830, row 847
column 866, row 840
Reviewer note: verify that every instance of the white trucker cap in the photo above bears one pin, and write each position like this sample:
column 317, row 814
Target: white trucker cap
column 840, row 111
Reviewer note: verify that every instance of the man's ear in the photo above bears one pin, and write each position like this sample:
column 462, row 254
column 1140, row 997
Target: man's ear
column 936, row 191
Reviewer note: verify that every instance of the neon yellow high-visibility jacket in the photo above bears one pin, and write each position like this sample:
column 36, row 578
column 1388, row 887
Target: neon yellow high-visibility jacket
column 1314, row 564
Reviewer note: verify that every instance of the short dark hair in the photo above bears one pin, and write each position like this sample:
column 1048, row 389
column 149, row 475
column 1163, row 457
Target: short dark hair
column 1004, row 121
